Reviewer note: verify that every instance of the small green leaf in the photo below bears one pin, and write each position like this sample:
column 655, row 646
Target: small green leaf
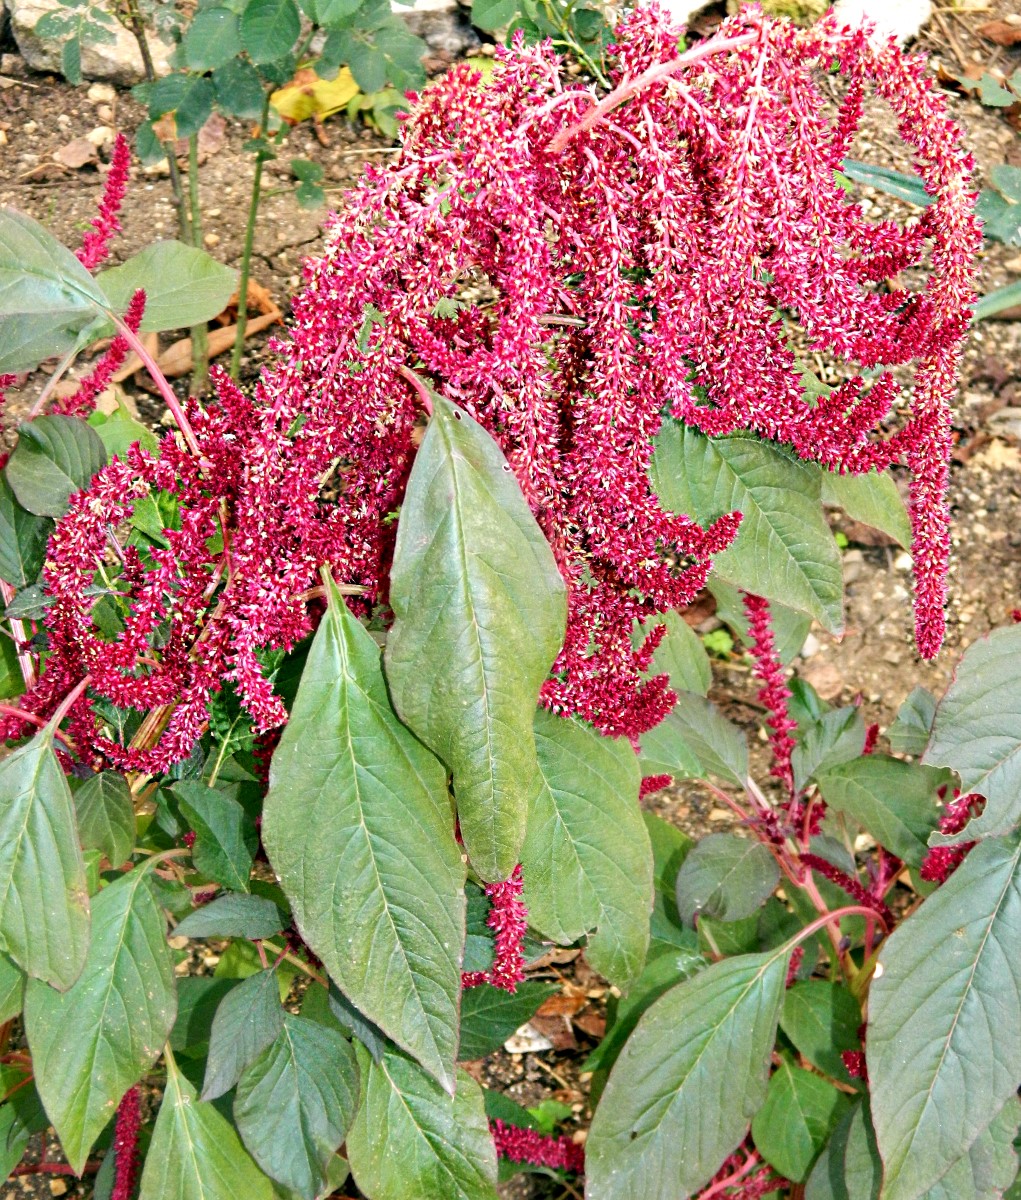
column 212, row 40
column 188, row 97
column 800, row 1112
column 239, row 90
column 106, row 816
column 97, row 1039
column 687, row 1083
column 198, row 1000
column 412, row 1141
column 233, row 916
column 195, row 1153
column 490, row 1015
column 909, row 734
column 670, row 847
column 885, row 179
column 719, row 746
column 480, row 611
column 44, row 901
column 295, row 1102
column 494, row 14
column 119, row 431
column 586, row 860
column 822, row 1020
column 55, row 457
column 726, row 877
column 12, row 988
column 269, row 28
column 183, row 285
column 680, row 654
column 834, row 738
column 996, row 301
column 872, row 499
column 225, row 835
column 248, row 1019
column 948, row 984
column 23, row 538
column 849, row 1167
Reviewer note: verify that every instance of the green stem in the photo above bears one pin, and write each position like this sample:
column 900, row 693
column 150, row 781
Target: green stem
column 200, row 332
column 246, row 254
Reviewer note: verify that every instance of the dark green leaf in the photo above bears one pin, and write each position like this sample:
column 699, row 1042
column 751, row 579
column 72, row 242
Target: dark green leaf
column 188, row 97
column 947, row 987
column 195, row 1153
column 12, row 987
column 800, row 1112
column 198, row 1000
column 895, row 801
column 784, row 549
column 97, row 1039
column 790, row 627
column 23, row 538
column 686, row 1085
column 849, row 1167
column 44, row 901
column 480, row 612
column 977, row 730
column 586, row 860
column 719, row 745
column 885, row 179
column 333, row 14
column 358, row 827
column 822, row 1019
column 909, row 734
column 412, row 1141
column 247, row 1020
column 269, row 28
column 726, row 877
column 55, row 456
column 835, row 738
column 106, row 816
column 665, row 751
column 239, row 90
column 225, row 836
column 183, row 285
column 490, row 1015
column 670, row 846
column 119, row 431
column 233, row 916
column 356, row 1023
column 295, row 1102
column 12, row 682
column 212, row 40
column 872, row 499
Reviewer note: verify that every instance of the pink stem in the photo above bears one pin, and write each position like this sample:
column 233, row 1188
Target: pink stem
column 12, row 710
column 21, row 637
column 68, row 702
column 165, row 390
column 423, row 392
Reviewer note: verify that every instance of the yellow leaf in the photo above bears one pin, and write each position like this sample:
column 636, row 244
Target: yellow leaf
column 307, row 95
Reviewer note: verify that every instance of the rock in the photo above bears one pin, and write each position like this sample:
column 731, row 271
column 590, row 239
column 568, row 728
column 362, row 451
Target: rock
column 444, row 28
column 901, row 18
column 683, row 10
column 119, row 62
column 1006, row 423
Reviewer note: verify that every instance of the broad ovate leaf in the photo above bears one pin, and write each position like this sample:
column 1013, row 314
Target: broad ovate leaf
column 800, row 1112
column 195, row 1153
column 948, row 987
column 784, row 549
column 688, row 1082
column 248, row 1020
column 977, row 730
column 97, row 1039
column 359, row 829
column 23, row 538
column 106, row 816
column 55, row 457
column 872, row 499
column 44, row 900
column 480, row 611
column 41, row 277
column 726, row 877
column 413, row 1141
column 849, row 1167
column 587, row 861
column 183, row 285
column 680, row 655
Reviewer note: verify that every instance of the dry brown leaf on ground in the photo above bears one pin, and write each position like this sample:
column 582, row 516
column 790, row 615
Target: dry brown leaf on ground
column 1003, row 33
column 77, row 154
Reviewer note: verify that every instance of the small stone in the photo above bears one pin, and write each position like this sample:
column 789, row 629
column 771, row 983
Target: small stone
column 177, row 943
column 63, row 120
column 720, row 814
column 811, row 646
column 854, row 564
column 101, row 93
column 30, row 127
column 59, row 1187
column 211, row 239
column 213, row 212
column 102, row 135
column 105, row 113
column 903, row 562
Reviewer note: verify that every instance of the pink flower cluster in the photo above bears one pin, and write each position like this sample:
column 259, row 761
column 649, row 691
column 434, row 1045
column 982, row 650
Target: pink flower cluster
column 125, row 1145
column 942, row 861
column 774, row 693
column 508, row 917
column 96, row 244
column 527, row 1146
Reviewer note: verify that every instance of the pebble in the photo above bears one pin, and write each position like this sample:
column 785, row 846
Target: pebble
column 30, row 127
column 854, row 564
column 101, row 93
column 903, row 562
column 105, row 113
column 211, row 239
column 63, row 120
column 811, row 646
column 102, row 135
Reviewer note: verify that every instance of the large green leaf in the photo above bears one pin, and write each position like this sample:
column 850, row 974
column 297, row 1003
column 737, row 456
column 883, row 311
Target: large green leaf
column 586, row 861
column 97, row 1039
column 480, row 613
column 687, row 1083
column 783, row 549
column 990, row 1164
column 54, row 457
column 248, row 1019
column 718, row 745
column 412, row 1141
column 948, row 987
column 489, row 1015
column 358, row 827
column 12, row 989
column 664, row 750
column 269, row 28
column 23, row 538
column 195, row 1153
column 44, row 900
column 872, row 499
column 234, row 915
column 41, row 277
column 800, row 1112
column 294, row 1103
column 106, row 816
column 894, row 800
column 977, row 730
column 183, row 285
column 680, row 654
column 726, row 877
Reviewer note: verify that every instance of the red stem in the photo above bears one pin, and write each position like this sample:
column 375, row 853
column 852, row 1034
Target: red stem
column 165, row 390
column 68, row 702
column 423, row 392
column 12, row 710
column 49, row 1168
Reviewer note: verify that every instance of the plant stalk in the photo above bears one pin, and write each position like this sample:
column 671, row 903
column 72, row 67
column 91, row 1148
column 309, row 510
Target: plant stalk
column 246, row 254
column 199, row 332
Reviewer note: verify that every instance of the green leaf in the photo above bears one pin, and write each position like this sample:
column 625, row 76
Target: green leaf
column 97, row 1039
column 947, row 987
column 990, row 1164
column 670, row 847
column 480, row 611
column 106, row 816
column 686, row 1085
column 822, row 1019
column 12, row 682
column 872, row 499
column 885, row 179
column 489, row 1015
column 977, row 731
column 12, row 988
column 26, row 339
column 665, row 751
column 494, row 14
column 23, row 538
column 212, row 40
column 44, row 900
column 680, row 654
column 183, row 285
column 412, row 1141
column 995, row 302
column 233, row 916
column 195, row 1153
column 835, row 738
column 358, row 827
column 849, row 1167
column 586, row 861
column 784, row 549
column 248, row 1019
column 188, row 97
column 295, row 1102
column 55, row 456
column 225, row 836
column 269, row 28
column 720, row 747
column 198, row 1000
column 909, row 734
column 992, row 94
column 799, row 1114
column 726, row 877
column 239, row 90
column 790, row 627
column 895, row 801
column 39, row 276
column 119, row 431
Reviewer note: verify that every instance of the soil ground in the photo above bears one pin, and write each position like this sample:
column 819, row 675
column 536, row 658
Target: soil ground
column 40, row 115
